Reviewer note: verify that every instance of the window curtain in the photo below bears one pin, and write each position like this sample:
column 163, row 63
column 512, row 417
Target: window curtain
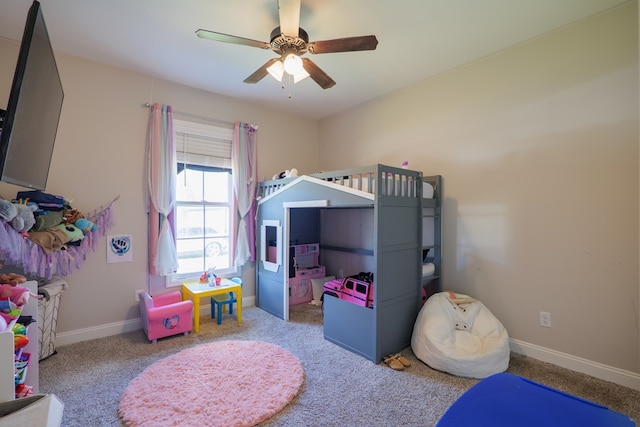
column 161, row 173
column 244, row 156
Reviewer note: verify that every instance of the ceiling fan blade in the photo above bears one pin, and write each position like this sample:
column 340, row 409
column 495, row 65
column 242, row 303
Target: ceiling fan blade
column 348, row 44
column 261, row 72
column 317, row 74
column 289, row 13
column 226, row 38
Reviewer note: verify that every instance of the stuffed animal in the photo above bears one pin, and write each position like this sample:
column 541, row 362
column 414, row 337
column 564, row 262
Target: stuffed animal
column 70, row 216
column 286, row 174
column 18, row 295
column 26, row 201
column 12, row 279
column 7, row 210
column 85, row 225
column 73, row 233
column 47, row 219
column 24, row 220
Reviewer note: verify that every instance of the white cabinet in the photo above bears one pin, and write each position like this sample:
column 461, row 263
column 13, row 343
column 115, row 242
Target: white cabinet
column 7, row 369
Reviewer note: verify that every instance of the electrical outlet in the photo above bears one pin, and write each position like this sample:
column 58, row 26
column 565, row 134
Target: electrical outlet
column 545, row 319
column 136, row 298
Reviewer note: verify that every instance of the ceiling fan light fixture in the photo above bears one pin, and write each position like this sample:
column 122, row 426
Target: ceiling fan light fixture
column 292, row 64
column 276, row 70
column 300, row 75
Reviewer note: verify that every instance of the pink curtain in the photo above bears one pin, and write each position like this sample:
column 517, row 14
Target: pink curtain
column 161, row 173
column 244, row 157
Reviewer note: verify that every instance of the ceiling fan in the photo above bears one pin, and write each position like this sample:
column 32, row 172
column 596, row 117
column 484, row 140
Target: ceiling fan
column 291, row 42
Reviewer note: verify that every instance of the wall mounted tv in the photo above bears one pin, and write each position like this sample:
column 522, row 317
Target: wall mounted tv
column 30, row 122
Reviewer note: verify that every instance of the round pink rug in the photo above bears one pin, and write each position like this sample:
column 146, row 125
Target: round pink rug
column 223, row 383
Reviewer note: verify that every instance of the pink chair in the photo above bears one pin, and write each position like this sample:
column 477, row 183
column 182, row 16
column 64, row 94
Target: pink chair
column 165, row 315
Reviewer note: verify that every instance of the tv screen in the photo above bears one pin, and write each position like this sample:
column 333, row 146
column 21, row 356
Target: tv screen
column 31, row 119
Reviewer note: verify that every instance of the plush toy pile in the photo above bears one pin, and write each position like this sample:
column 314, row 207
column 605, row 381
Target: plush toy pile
column 12, row 297
column 45, row 219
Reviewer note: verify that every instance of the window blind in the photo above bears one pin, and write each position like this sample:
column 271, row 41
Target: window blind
column 203, row 145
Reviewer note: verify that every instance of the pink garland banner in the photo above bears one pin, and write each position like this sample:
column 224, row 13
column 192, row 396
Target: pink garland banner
column 17, row 250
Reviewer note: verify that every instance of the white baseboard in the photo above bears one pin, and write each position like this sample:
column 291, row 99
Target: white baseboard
column 101, row 331
column 86, row 334
column 578, row 364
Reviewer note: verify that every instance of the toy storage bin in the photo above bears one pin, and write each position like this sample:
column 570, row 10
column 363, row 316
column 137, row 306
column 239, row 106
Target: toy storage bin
column 48, row 305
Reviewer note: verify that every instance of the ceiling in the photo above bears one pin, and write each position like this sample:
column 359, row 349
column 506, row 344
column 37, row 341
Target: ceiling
column 418, row 39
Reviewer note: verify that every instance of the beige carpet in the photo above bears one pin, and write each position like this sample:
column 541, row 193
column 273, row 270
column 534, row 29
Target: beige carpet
column 340, row 388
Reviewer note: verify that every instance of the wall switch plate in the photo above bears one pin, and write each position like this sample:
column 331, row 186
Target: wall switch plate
column 136, row 298
column 545, row 319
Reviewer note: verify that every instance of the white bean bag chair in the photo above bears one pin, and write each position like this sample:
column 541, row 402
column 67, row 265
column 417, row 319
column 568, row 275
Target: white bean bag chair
column 457, row 334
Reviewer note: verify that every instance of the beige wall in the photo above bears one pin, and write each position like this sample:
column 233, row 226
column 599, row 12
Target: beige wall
column 538, row 147
column 99, row 155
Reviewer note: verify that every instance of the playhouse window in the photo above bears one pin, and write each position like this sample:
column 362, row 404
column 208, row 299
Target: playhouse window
column 271, row 238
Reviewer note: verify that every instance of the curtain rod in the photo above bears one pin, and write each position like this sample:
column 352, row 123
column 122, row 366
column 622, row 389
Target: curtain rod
column 195, row 116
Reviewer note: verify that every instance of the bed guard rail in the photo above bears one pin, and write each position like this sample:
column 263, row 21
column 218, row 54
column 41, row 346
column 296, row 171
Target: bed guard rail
column 378, row 179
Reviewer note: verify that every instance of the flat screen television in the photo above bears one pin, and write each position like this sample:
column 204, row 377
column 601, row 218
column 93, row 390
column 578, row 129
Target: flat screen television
column 30, row 122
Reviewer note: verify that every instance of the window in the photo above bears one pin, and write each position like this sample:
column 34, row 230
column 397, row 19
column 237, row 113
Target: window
column 204, row 201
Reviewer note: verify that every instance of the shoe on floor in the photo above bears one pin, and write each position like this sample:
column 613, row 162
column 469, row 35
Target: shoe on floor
column 405, row 362
column 393, row 362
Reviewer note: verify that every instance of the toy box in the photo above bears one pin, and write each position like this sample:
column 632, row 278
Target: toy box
column 353, row 290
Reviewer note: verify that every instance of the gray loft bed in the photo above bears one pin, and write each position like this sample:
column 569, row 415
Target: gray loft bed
column 389, row 206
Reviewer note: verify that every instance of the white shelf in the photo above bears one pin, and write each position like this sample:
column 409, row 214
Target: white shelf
column 7, row 381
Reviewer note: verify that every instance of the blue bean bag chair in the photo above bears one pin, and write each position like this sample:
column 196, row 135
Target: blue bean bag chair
column 509, row 400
